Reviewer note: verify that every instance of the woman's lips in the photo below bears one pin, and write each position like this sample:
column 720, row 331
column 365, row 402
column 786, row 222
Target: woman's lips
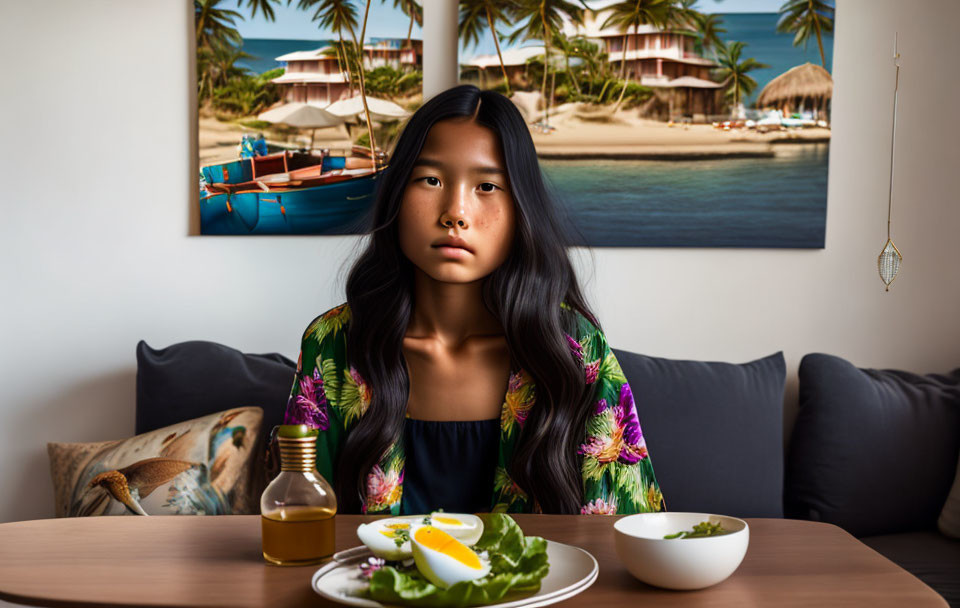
column 453, row 252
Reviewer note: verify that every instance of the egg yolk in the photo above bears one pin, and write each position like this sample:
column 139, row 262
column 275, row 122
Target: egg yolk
column 441, row 542
column 391, row 530
column 450, row 521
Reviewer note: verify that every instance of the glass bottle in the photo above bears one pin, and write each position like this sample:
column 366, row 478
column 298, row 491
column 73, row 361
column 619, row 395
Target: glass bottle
column 298, row 507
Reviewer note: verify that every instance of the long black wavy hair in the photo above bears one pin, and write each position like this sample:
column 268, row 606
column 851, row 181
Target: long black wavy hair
column 524, row 294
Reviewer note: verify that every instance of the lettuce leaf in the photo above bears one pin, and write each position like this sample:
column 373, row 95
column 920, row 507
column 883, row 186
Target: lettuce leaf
column 517, row 563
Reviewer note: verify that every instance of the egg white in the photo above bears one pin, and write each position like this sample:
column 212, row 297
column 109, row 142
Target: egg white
column 441, row 569
column 378, row 536
column 464, row 527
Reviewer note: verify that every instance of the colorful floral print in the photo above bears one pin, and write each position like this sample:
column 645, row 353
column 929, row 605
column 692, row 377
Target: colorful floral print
column 624, row 441
column 385, row 482
column 599, row 507
column 517, row 402
column 575, row 347
column 309, row 407
column 592, row 371
column 383, row 489
column 617, row 473
column 511, row 496
column 329, row 322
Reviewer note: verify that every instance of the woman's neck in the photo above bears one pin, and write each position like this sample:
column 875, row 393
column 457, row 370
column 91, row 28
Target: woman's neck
column 449, row 313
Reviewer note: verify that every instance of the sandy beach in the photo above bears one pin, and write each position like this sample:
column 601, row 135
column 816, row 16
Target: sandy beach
column 626, row 136
column 218, row 140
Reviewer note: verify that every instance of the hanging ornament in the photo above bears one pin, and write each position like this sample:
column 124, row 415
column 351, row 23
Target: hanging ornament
column 889, row 261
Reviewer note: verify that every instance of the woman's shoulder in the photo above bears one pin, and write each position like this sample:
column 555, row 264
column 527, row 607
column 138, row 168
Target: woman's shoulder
column 329, row 324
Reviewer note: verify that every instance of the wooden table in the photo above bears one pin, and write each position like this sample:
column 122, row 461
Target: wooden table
column 216, row 561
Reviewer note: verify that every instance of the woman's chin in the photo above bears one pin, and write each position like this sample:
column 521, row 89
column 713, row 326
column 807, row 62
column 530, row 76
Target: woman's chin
column 452, row 271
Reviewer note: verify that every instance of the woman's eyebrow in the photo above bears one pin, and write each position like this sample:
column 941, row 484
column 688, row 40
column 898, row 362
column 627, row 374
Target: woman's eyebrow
column 432, row 162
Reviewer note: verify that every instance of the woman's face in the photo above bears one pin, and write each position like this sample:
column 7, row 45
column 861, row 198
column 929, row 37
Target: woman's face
column 458, row 187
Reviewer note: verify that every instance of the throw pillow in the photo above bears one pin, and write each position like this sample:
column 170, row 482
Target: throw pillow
column 714, row 430
column 873, row 450
column 201, row 466
column 949, row 520
column 196, row 378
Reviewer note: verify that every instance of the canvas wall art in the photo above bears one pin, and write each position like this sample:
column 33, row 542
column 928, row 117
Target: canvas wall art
column 658, row 123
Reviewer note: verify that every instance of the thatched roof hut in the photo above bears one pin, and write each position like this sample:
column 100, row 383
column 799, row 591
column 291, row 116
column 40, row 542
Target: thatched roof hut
column 803, row 82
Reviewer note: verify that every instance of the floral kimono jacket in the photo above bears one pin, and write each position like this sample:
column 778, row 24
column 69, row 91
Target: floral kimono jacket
column 329, row 394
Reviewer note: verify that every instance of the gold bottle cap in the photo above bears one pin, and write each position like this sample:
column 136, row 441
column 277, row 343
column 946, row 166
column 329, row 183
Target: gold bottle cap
column 298, row 447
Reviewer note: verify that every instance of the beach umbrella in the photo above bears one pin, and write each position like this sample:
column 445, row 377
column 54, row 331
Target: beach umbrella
column 303, row 116
column 380, row 109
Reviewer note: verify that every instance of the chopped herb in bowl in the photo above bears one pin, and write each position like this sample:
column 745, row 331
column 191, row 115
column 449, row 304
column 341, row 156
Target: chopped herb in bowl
column 704, row 528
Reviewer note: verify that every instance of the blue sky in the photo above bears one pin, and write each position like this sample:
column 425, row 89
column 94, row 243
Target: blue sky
column 387, row 22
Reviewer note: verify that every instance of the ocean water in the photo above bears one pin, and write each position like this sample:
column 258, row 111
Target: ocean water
column 264, row 52
column 777, row 202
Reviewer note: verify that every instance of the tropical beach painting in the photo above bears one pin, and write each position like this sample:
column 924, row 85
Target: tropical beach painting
column 658, row 123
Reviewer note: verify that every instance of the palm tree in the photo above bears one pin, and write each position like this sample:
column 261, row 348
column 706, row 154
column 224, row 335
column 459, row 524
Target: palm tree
column 391, row 83
column 475, row 15
column 244, row 96
column 414, row 10
column 363, row 92
column 709, row 30
column 566, row 47
column 222, row 62
column 685, row 13
column 217, row 40
column 805, row 17
column 733, row 71
column 542, row 17
column 632, row 14
column 335, row 15
column 592, row 57
column 262, row 5
column 347, row 56
column 215, row 25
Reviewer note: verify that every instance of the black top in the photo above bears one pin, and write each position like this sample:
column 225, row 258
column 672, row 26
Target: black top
column 449, row 465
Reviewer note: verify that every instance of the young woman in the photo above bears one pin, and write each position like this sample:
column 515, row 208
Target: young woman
column 465, row 370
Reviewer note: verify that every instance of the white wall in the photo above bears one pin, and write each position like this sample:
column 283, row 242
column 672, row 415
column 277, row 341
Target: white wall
column 95, row 160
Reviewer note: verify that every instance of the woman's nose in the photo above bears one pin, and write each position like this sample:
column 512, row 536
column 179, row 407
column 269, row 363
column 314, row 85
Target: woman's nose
column 455, row 212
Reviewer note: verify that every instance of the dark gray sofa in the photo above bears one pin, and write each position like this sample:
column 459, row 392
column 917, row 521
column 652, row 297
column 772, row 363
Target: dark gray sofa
column 872, row 451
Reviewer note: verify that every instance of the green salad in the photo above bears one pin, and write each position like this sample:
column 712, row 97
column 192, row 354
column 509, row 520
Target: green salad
column 704, row 528
column 501, row 560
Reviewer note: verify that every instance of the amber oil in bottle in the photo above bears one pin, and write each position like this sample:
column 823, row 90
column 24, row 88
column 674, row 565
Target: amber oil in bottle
column 298, row 508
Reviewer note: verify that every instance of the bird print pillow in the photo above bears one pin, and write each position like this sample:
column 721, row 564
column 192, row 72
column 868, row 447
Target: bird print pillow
column 198, row 467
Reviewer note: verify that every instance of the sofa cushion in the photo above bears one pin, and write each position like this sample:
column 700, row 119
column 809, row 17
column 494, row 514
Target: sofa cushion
column 201, row 466
column 195, row 378
column 873, row 451
column 714, row 430
column 949, row 520
column 928, row 555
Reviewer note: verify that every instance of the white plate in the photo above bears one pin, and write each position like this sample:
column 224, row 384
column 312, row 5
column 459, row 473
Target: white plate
column 572, row 570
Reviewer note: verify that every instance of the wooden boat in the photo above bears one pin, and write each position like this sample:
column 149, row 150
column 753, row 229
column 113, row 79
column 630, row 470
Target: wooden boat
column 289, row 193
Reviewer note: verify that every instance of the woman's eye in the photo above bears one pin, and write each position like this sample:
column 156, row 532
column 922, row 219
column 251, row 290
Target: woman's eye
column 493, row 187
column 429, row 177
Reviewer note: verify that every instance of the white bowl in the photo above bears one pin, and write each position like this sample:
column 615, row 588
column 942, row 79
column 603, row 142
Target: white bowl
column 679, row 563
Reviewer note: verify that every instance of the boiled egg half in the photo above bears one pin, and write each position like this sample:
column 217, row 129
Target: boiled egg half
column 387, row 538
column 464, row 527
column 443, row 559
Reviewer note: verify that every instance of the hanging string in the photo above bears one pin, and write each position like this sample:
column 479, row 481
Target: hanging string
column 888, row 263
column 893, row 135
